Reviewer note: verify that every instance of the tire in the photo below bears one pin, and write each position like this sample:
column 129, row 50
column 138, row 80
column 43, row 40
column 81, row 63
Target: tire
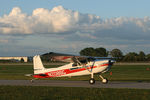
column 32, row 80
column 92, row 81
column 104, row 81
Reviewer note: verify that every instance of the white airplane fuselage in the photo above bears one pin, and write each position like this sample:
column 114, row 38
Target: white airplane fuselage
column 68, row 70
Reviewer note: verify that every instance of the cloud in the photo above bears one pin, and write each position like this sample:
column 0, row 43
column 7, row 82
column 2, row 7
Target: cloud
column 63, row 21
column 57, row 20
column 71, row 31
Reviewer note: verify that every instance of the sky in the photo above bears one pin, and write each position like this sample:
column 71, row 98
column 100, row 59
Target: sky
column 30, row 27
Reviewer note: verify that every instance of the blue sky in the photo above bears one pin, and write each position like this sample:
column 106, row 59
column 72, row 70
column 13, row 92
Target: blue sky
column 28, row 27
column 104, row 8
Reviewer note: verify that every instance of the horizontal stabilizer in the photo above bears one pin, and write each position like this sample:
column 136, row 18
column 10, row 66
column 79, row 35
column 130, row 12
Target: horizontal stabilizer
column 28, row 75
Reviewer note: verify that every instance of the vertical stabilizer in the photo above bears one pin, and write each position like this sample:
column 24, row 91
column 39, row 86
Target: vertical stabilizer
column 37, row 64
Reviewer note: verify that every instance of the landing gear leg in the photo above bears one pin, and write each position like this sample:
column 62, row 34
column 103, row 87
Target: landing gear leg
column 32, row 80
column 104, row 80
column 92, row 80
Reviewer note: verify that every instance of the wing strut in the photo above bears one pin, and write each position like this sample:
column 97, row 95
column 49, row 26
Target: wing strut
column 91, row 67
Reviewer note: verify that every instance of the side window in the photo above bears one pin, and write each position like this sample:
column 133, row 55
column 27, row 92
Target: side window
column 74, row 64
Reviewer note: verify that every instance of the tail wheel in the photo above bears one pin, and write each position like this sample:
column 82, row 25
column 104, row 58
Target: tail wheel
column 92, row 81
column 32, row 80
column 104, row 81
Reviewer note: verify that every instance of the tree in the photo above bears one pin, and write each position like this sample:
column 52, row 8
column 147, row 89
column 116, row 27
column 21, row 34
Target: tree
column 101, row 52
column 117, row 54
column 87, row 52
column 141, row 56
column 22, row 60
column 98, row 52
column 148, row 57
column 131, row 56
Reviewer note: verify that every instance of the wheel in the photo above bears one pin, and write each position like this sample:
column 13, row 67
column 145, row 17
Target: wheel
column 104, row 81
column 32, row 80
column 92, row 81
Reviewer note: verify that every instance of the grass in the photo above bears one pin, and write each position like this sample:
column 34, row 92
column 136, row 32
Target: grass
column 14, row 71
column 119, row 73
column 72, row 93
column 130, row 72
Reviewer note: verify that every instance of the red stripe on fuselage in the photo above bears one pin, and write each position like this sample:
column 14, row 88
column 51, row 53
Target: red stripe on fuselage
column 58, row 73
column 104, row 65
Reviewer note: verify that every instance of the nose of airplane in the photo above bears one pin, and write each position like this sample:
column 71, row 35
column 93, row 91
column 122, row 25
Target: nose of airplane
column 111, row 62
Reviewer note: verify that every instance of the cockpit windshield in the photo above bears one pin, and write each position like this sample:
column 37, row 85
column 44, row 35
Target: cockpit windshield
column 82, row 61
column 91, row 59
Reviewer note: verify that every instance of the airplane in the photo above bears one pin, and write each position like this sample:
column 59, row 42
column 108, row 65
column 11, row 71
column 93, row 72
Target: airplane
column 78, row 66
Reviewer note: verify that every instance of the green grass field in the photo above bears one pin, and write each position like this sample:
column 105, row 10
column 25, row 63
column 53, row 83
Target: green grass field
column 62, row 93
column 119, row 73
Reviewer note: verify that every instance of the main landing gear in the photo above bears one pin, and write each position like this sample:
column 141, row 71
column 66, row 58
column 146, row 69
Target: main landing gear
column 104, row 80
column 92, row 80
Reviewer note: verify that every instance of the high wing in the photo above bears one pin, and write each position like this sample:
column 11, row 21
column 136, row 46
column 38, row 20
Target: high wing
column 71, row 58
column 64, row 57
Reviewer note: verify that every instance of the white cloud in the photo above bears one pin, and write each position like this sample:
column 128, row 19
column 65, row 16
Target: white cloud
column 78, row 30
column 60, row 20
column 57, row 20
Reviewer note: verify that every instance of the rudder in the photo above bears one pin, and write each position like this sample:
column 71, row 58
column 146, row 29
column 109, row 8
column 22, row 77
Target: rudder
column 37, row 64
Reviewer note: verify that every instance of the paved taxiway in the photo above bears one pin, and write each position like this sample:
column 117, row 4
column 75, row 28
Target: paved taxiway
column 60, row 83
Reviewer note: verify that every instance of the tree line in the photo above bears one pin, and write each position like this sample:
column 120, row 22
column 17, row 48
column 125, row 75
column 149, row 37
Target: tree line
column 117, row 53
